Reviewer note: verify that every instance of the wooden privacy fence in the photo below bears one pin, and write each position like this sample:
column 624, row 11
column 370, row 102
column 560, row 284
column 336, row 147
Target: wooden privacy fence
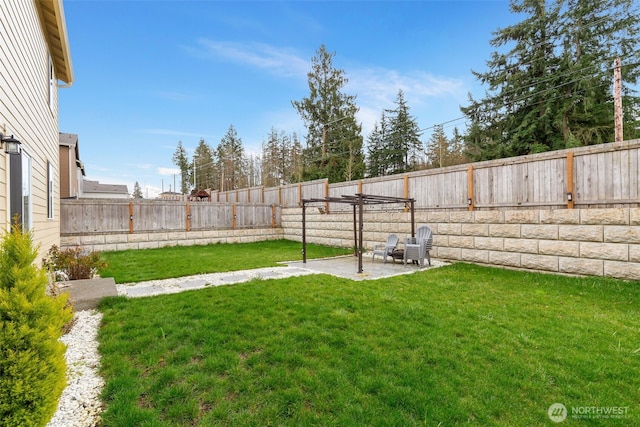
column 102, row 216
column 604, row 175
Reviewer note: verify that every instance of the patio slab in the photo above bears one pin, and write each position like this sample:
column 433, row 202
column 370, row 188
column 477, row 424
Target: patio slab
column 347, row 267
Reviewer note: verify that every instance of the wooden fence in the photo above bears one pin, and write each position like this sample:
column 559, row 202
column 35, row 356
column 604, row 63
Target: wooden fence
column 604, row 175
column 105, row 216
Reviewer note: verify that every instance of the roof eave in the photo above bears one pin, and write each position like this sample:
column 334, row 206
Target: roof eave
column 55, row 29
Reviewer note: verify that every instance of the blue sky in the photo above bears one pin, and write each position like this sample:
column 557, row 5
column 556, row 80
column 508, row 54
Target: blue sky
column 150, row 73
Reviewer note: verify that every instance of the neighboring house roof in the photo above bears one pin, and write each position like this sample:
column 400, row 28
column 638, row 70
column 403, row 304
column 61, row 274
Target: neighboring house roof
column 71, row 140
column 95, row 187
column 55, row 29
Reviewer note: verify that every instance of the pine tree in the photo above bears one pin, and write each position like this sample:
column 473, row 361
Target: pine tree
column 137, row 191
column 438, row 148
column 181, row 160
column 297, row 165
column 231, row 161
column 203, row 167
column 551, row 88
column 457, row 153
column 270, row 154
column 403, row 143
column 334, row 140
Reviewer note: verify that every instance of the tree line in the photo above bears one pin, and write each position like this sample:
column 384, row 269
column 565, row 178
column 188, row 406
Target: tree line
column 549, row 86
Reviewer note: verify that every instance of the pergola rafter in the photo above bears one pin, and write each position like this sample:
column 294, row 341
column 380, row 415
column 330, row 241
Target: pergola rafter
column 358, row 201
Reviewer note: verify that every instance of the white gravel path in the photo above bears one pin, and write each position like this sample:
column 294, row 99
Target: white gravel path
column 79, row 405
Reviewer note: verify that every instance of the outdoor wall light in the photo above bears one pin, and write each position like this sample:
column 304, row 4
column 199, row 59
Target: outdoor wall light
column 12, row 145
column 569, row 196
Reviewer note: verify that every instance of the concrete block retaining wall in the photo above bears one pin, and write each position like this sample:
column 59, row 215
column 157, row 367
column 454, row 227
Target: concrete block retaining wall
column 124, row 241
column 597, row 242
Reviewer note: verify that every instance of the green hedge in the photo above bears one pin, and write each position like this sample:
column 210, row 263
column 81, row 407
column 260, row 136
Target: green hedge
column 32, row 364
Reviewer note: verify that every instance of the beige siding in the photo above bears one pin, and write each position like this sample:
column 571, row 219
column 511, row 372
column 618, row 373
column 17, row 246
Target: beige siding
column 65, row 175
column 25, row 112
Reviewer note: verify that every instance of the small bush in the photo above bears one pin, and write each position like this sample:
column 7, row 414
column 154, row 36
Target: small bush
column 32, row 364
column 73, row 264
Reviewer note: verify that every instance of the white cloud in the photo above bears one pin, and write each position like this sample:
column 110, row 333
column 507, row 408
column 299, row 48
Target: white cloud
column 151, row 191
column 168, row 171
column 377, row 89
column 279, row 61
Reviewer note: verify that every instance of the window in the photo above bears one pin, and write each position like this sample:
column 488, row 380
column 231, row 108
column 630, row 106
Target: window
column 50, row 199
column 27, row 222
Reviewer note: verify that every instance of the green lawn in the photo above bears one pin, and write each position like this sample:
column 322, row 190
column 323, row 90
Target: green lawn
column 456, row 345
column 177, row 261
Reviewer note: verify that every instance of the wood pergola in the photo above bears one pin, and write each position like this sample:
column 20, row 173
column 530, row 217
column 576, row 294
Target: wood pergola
column 358, row 201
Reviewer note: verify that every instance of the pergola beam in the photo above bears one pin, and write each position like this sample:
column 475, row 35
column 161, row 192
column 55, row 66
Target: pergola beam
column 358, row 201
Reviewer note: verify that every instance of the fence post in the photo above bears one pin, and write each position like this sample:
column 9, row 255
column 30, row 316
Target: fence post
column 262, row 194
column 188, row 207
column 406, row 191
column 280, row 195
column 273, row 216
column 234, row 224
column 299, row 194
column 326, row 194
column 249, row 195
column 570, row 195
column 130, row 217
column 470, row 200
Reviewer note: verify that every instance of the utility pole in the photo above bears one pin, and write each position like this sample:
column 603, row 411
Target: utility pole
column 194, row 174
column 617, row 100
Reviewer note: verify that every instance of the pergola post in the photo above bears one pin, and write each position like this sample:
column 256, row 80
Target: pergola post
column 355, row 233
column 304, row 233
column 413, row 219
column 358, row 201
column 361, row 226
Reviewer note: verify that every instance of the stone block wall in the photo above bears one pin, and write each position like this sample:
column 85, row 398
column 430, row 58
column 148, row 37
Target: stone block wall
column 597, row 242
column 124, row 241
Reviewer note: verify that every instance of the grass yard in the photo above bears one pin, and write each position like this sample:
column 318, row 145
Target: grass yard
column 178, row 261
column 456, row 345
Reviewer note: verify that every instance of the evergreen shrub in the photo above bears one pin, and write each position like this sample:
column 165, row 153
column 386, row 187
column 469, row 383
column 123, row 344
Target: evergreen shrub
column 32, row 364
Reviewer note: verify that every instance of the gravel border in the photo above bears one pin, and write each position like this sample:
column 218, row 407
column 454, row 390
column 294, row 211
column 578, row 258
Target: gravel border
column 80, row 405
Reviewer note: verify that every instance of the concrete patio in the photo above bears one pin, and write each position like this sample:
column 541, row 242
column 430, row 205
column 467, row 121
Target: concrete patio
column 85, row 294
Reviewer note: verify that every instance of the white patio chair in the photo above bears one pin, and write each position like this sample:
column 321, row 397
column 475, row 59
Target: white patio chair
column 385, row 249
column 417, row 248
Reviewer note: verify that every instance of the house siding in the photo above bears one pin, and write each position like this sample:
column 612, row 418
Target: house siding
column 27, row 113
column 65, row 174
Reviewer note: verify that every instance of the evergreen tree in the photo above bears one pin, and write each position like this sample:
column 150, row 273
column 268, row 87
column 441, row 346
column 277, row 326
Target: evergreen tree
column 334, row 140
column 403, row 143
column 457, row 152
column 203, row 167
column 137, row 191
column 271, row 152
column 297, row 165
column 381, row 154
column 282, row 159
column 32, row 364
column 181, row 160
column 231, row 161
column 552, row 88
column 438, row 148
